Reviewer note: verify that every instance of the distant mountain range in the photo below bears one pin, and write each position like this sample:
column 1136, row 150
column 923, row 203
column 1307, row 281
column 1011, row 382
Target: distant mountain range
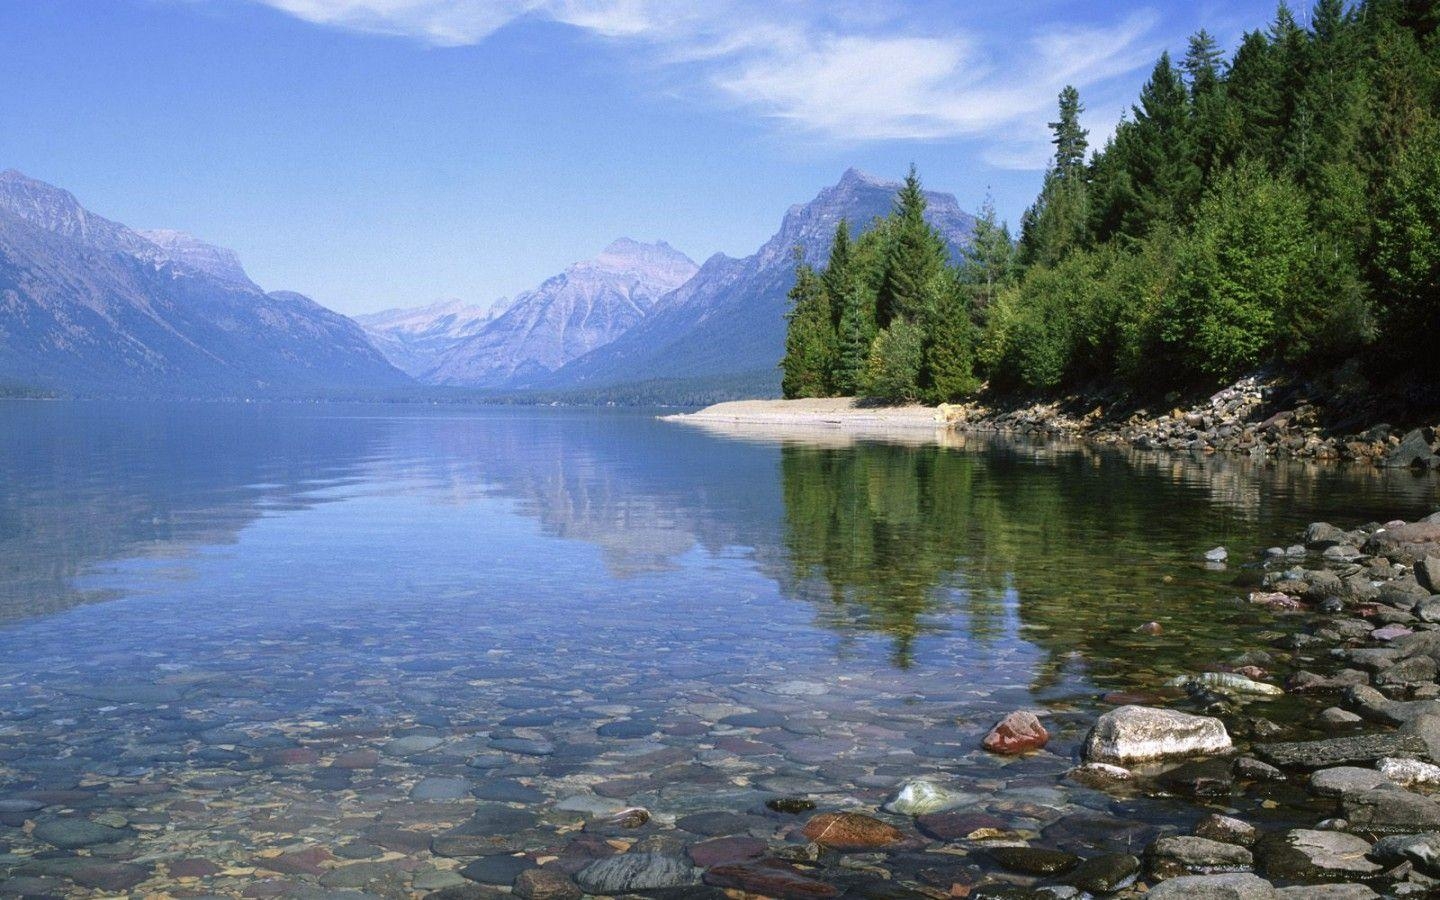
column 729, row 320
column 643, row 314
column 88, row 305
column 415, row 338
column 584, row 307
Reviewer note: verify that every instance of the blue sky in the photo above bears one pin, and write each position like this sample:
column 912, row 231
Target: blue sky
column 376, row 153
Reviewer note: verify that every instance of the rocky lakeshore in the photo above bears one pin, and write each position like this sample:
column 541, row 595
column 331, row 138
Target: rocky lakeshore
column 1257, row 416
column 1305, row 766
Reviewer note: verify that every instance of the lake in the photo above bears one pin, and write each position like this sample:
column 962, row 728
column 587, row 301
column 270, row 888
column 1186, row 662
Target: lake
column 279, row 649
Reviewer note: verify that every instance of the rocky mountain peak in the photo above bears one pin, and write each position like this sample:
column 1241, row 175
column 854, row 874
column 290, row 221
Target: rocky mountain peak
column 659, row 262
column 56, row 210
column 192, row 253
column 860, row 199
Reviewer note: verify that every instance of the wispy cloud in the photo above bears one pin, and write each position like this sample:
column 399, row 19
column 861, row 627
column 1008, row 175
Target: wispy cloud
column 838, row 71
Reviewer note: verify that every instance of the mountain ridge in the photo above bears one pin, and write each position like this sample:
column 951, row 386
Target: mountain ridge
column 729, row 320
column 589, row 304
column 92, row 306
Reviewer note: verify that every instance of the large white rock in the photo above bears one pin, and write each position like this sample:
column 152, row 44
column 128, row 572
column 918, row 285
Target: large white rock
column 1139, row 733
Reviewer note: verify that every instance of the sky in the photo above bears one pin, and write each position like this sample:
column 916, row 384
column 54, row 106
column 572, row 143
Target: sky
column 383, row 153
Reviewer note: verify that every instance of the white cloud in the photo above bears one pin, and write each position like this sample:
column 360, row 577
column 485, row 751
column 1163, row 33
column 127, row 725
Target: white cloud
column 844, row 71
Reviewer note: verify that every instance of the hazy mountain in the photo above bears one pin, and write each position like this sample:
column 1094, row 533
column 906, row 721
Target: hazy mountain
column 587, row 306
column 187, row 250
column 89, row 305
column 414, row 339
column 728, row 321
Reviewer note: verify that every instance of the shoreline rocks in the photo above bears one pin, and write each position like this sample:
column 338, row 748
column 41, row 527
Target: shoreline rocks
column 1257, row 416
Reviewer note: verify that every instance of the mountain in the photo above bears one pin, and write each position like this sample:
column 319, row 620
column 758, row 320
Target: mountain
column 415, row 339
column 88, row 305
column 727, row 324
column 587, row 306
column 220, row 263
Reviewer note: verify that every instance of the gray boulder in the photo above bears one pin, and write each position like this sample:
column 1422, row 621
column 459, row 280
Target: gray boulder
column 1234, row 886
column 1173, row 857
column 1138, row 733
column 1414, row 451
column 631, row 872
column 1307, row 855
column 1427, row 573
column 1391, row 810
column 1346, row 781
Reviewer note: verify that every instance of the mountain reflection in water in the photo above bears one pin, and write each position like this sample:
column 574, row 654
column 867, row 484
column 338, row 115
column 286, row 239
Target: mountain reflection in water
column 908, row 539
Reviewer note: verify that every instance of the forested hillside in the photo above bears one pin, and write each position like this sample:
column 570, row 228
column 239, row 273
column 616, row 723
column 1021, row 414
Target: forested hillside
column 1278, row 207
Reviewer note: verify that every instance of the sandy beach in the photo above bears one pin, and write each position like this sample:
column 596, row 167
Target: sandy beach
column 838, row 419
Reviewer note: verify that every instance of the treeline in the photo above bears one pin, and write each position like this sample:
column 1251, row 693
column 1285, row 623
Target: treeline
column 1282, row 206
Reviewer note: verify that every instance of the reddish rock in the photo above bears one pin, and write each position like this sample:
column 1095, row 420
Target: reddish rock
column 357, row 759
column 852, row 831
column 726, row 850
column 194, row 867
column 1406, row 542
column 953, row 825
column 1151, row 628
column 292, row 756
column 1254, row 673
column 1276, row 600
column 110, row 877
column 1019, row 732
column 140, row 789
column 1126, row 698
column 300, row 862
column 401, row 840
column 769, row 878
column 742, row 747
column 1390, row 632
column 545, row 884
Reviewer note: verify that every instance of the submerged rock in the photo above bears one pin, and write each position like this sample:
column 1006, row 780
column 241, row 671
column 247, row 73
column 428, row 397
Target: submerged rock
column 1139, row 733
column 73, row 834
column 769, row 878
column 1105, row 874
column 919, row 797
column 1228, row 683
column 636, row 872
column 1034, row 860
column 852, row 831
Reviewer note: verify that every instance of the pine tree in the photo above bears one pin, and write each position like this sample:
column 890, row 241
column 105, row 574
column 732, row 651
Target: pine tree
column 1070, row 140
column 1161, row 156
column 839, row 276
column 810, row 338
column 1059, row 220
column 1254, row 109
column 989, row 260
column 915, row 256
column 1204, row 68
column 854, row 335
column 949, row 362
